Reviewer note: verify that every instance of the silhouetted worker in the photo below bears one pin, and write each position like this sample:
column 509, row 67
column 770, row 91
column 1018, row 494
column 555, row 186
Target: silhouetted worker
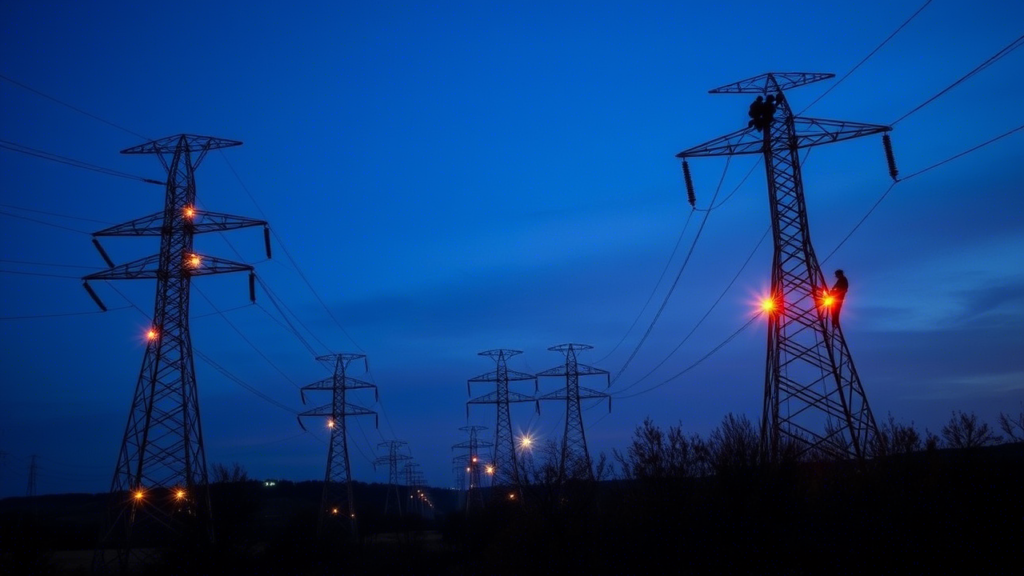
column 755, row 113
column 838, row 294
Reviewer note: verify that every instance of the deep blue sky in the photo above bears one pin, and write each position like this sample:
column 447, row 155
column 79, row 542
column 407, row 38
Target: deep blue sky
column 455, row 178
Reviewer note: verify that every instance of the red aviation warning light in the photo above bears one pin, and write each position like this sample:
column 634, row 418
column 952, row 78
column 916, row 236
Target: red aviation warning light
column 768, row 305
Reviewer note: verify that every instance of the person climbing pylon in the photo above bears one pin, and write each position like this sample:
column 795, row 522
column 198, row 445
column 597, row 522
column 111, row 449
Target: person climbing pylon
column 838, row 294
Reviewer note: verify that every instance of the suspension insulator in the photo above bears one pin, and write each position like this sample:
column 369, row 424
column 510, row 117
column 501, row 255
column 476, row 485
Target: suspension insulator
column 266, row 239
column 689, row 185
column 103, row 253
column 252, row 287
column 887, row 143
column 95, row 297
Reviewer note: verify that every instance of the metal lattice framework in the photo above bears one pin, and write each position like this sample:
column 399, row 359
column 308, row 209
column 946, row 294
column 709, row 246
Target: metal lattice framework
column 160, row 482
column 814, row 403
column 575, row 463
column 337, row 505
column 392, row 459
column 506, row 465
column 474, row 464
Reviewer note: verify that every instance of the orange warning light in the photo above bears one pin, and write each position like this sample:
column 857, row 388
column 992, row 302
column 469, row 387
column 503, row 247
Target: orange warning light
column 330, row 423
column 194, row 261
column 828, row 300
column 189, row 212
column 768, row 305
column 490, row 469
column 139, row 494
column 179, row 494
column 152, row 334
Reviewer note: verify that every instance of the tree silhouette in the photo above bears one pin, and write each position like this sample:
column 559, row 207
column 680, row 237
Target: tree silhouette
column 964, row 431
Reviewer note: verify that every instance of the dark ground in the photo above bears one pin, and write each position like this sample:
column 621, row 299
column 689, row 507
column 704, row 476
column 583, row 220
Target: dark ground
column 936, row 511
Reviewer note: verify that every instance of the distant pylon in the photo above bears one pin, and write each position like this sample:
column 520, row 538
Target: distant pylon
column 392, row 460
column 336, row 505
column 33, row 470
column 505, row 463
column 813, row 399
column 575, row 462
column 459, row 469
column 474, row 465
column 160, row 482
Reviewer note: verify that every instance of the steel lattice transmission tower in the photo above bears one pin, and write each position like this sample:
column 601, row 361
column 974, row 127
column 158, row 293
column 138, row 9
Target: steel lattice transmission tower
column 506, row 465
column 474, row 464
column 575, row 463
column 336, row 503
column 392, row 460
column 160, row 480
column 813, row 399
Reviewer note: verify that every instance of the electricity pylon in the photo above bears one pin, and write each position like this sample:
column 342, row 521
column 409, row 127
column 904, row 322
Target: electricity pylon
column 574, row 463
column 160, row 482
column 505, row 463
column 813, row 399
column 336, row 503
column 392, row 460
column 474, row 463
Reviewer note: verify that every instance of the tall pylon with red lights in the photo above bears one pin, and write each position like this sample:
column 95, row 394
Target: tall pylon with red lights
column 336, row 505
column 814, row 404
column 575, row 463
column 506, row 465
column 160, row 481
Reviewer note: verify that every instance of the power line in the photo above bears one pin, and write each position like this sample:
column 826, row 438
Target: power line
column 50, row 265
column 706, row 314
column 76, row 109
column 33, row 317
column 288, row 254
column 905, row 178
column 43, row 274
column 654, row 291
column 22, row 149
column 244, row 337
column 55, row 214
column 675, row 283
column 995, row 58
column 672, row 256
column 721, row 345
column 44, row 223
column 866, row 58
column 224, row 371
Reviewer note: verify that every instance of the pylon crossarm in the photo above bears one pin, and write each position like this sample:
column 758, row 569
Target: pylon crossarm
column 770, row 82
column 492, row 376
column 149, row 268
column 492, row 398
column 817, row 131
column 473, row 444
column 809, row 132
column 204, row 222
column 328, row 384
column 151, row 225
column 191, row 142
column 143, row 268
column 581, row 369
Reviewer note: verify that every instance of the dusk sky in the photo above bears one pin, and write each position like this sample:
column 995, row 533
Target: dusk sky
column 456, row 177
